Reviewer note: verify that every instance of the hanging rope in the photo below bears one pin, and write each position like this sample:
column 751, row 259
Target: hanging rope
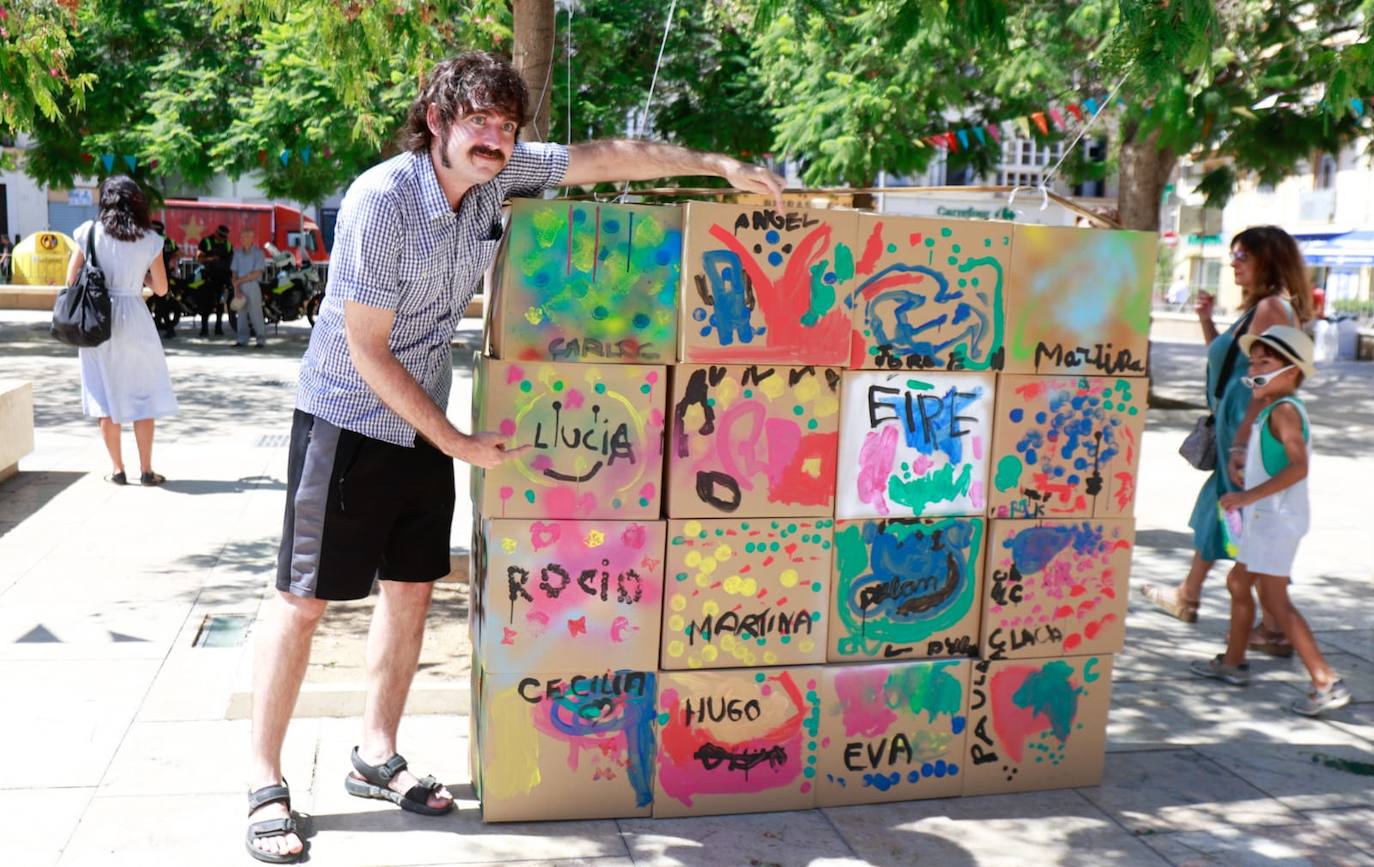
column 653, row 82
column 1049, row 176
column 568, row 50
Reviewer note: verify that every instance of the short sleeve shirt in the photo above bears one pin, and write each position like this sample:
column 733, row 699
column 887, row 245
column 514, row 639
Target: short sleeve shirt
column 399, row 246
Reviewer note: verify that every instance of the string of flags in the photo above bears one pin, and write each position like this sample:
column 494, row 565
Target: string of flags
column 1056, row 118
column 109, row 160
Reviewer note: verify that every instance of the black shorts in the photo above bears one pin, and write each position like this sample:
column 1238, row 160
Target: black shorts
column 359, row 509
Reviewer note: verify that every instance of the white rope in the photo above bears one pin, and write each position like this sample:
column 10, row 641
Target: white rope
column 568, row 49
column 648, row 100
column 1049, row 176
column 548, row 79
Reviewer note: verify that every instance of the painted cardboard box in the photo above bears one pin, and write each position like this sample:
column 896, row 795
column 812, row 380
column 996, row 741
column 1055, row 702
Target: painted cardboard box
column 906, row 588
column 737, row 741
column 1078, row 300
column 914, row 444
column 586, row 281
column 597, row 437
column 928, row 294
column 565, row 745
column 1066, row 446
column 753, row 441
column 892, row 732
column 1057, row 587
column 1037, row 724
column 766, row 286
column 745, row 593
column 563, row 594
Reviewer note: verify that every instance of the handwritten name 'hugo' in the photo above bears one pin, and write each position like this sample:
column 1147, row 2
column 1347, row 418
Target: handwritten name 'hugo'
column 554, row 579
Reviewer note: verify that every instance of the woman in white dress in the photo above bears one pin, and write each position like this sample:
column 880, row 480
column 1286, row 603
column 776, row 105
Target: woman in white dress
column 124, row 380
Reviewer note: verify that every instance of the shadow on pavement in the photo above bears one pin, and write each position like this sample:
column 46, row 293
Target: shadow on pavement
column 221, row 486
column 26, row 493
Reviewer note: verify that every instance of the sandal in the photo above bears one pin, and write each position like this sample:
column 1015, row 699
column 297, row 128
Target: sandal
column 117, row 478
column 374, row 785
column 1271, row 643
column 1167, row 600
column 151, row 479
column 271, row 827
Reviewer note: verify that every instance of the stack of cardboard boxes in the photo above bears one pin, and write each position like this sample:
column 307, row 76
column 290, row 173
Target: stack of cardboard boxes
column 823, row 507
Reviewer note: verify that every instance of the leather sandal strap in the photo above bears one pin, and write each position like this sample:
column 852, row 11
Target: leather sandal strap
column 273, row 828
column 422, row 791
column 379, row 775
column 276, row 794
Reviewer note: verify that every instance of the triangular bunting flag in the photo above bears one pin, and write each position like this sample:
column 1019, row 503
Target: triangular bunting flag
column 1023, row 126
column 284, row 156
column 1058, row 117
column 994, row 132
column 305, row 155
column 107, row 160
column 981, row 135
column 963, row 138
column 1039, row 118
column 951, row 141
column 1358, row 105
column 131, row 161
column 262, row 156
column 1091, row 105
column 919, row 142
column 1076, row 112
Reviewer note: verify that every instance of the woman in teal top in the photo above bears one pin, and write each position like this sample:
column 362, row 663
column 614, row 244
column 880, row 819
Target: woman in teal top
column 1270, row 272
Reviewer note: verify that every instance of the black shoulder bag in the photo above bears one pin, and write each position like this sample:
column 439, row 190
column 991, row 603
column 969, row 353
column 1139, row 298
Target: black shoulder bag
column 81, row 314
column 1200, row 446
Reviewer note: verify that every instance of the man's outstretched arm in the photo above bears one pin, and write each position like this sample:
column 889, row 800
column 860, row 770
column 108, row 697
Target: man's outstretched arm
column 626, row 160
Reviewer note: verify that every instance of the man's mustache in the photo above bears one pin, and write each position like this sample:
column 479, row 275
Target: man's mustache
column 481, row 151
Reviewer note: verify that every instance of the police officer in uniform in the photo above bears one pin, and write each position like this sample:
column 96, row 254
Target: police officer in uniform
column 215, row 253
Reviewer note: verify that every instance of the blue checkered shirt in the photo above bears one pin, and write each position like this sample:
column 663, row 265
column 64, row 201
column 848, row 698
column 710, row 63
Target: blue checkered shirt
column 399, row 246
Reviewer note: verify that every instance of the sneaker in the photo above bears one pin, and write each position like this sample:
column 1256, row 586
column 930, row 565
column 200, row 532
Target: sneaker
column 1236, row 675
column 1336, row 695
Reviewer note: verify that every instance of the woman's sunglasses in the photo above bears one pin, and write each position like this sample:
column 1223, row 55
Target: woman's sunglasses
column 1239, row 256
column 1262, row 379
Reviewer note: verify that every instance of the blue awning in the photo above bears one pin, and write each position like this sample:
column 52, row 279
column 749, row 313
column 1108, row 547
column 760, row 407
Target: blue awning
column 1346, row 250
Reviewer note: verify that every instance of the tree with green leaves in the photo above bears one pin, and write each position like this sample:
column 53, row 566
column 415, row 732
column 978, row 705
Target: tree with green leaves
column 35, row 58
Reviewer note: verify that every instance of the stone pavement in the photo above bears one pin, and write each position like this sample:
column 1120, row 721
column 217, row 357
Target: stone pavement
column 119, row 748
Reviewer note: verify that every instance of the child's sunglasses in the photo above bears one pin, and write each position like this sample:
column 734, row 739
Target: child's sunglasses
column 1262, row 379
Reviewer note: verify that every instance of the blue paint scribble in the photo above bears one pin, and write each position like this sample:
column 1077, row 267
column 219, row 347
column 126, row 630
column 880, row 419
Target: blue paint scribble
column 933, row 423
column 909, row 577
column 1034, row 547
column 725, row 274
column 593, row 714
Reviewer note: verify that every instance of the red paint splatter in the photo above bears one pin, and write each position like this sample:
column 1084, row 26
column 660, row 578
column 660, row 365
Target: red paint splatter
column 577, row 627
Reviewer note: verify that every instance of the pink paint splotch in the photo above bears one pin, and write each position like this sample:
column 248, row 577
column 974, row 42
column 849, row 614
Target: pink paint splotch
column 861, row 692
column 875, row 466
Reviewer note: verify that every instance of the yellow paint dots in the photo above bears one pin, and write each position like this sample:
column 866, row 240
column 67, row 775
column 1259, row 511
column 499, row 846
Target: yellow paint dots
column 509, row 545
column 676, row 648
column 748, row 587
column 693, row 559
column 732, row 584
column 534, row 315
column 723, row 553
column 826, row 406
column 739, row 651
column 770, row 658
column 707, row 565
column 678, row 602
column 694, row 661
column 709, row 653
column 703, row 580
column 773, row 386
column 789, row 577
column 692, row 419
column 676, row 623
column 691, row 529
column 807, row 645
column 711, row 607
column 726, row 393
column 727, row 643
column 595, row 539
column 808, row 389
column 812, row 467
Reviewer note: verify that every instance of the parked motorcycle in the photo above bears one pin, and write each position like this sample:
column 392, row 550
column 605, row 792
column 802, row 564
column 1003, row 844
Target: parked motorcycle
column 291, row 289
column 179, row 300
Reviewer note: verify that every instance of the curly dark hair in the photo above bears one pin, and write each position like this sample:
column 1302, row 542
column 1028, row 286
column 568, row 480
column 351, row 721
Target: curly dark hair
column 474, row 81
column 1280, row 267
column 123, row 208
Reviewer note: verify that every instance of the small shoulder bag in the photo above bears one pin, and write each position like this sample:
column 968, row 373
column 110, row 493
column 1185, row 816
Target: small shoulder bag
column 1200, row 446
column 81, row 314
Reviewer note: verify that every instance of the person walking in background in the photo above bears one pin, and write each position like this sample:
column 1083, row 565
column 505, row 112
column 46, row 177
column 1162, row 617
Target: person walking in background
column 246, row 269
column 1178, row 293
column 6, row 258
column 124, row 380
column 1269, row 270
column 215, row 253
column 1271, row 497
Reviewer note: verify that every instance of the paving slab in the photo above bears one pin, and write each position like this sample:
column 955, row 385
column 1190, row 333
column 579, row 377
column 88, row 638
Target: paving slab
column 38, row 823
column 1355, row 826
column 1304, row 777
column 1279, row 847
column 791, row 839
column 1058, row 827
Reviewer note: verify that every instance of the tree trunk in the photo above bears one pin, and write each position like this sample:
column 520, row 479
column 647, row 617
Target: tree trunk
column 1144, row 170
column 533, row 59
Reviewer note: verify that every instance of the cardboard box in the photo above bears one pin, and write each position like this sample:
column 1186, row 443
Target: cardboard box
column 753, row 441
column 892, row 732
column 571, row 745
column 906, row 588
column 586, row 281
column 741, row 741
column 1078, row 300
column 763, row 286
column 569, row 595
column 597, row 432
column 744, row 593
column 1057, row 587
column 914, row 444
column 1037, row 724
column 1066, row 446
column 929, row 294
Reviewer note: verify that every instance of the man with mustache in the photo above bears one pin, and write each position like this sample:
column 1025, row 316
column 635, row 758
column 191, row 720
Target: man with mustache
column 370, row 490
